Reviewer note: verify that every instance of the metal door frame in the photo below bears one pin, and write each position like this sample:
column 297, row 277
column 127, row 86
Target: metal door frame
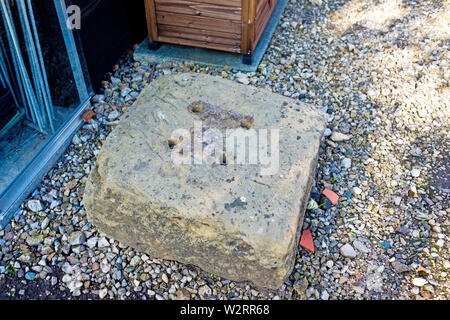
column 20, row 188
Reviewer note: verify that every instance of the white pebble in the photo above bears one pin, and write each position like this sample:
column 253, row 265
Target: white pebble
column 102, row 293
column 346, row 163
column 419, row 282
column 415, row 173
column 348, row 251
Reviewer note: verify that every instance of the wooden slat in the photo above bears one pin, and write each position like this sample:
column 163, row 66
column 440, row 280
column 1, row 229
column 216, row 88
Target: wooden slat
column 198, row 44
column 151, row 20
column 210, row 33
column 188, row 35
column 245, row 29
column 199, row 9
column 263, row 18
column 260, row 4
column 230, row 3
column 260, row 25
column 182, row 20
column 251, row 25
column 260, row 17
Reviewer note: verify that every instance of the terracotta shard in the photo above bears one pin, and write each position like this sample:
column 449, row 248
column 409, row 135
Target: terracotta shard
column 332, row 196
column 306, row 241
column 88, row 115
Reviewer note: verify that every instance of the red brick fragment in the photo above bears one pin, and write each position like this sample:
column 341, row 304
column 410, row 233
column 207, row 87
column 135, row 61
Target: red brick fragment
column 306, row 241
column 332, row 196
column 88, row 115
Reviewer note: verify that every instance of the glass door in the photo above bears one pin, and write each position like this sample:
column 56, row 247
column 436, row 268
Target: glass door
column 44, row 87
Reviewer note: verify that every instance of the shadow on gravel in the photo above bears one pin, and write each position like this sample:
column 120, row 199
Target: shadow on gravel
column 14, row 288
column 398, row 41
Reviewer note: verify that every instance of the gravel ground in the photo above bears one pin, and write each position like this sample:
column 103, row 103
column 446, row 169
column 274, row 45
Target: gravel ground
column 380, row 69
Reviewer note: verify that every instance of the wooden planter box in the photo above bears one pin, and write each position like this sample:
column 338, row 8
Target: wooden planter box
column 226, row 25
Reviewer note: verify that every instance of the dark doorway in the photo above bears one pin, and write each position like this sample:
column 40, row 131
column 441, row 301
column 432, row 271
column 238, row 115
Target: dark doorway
column 108, row 29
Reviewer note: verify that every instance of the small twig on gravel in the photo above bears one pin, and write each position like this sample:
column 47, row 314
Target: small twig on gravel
column 152, row 73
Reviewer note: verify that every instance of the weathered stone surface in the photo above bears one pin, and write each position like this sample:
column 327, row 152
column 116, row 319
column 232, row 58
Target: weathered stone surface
column 227, row 219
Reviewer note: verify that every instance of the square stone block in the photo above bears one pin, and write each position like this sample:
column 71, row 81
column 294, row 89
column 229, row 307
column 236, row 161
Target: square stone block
column 209, row 172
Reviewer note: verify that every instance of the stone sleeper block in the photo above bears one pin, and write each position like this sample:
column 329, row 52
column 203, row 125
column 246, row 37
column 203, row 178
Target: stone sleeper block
column 197, row 214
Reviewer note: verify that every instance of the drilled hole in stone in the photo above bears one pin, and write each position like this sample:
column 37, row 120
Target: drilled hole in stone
column 172, row 143
column 223, row 159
